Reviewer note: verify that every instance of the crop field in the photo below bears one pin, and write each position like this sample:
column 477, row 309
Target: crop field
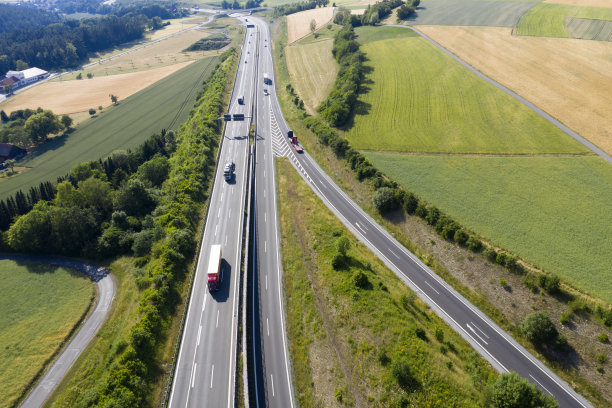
column 547, row 20
column 298, row 24
column 433, row 104
column 160, row 54
column 555, row 212
column 470, row 12
column 313, row 71
column 163, row 105
column 584, row 3
column 67, row 97
column 176, row 25
column 40, row 305
column 570, row 79
column 588, row 29
column 344, row 339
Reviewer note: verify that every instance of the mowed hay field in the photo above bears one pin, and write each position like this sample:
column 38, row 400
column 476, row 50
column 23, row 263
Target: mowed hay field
column 298, row 24
column 569, row 79
column 163, row 105
column 40, row 305
column 79, row 95
column 313, row 70
column 430, row 103
column 547, row 20
column 470, row 12
column 555, row 212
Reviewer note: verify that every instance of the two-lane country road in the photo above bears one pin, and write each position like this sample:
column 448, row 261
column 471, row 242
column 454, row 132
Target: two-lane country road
column 206, row 366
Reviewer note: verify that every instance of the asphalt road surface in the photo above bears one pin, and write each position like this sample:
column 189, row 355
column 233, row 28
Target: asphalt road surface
column 272, row 382
column 106, row 292
column 206, row 365
column 498, row 347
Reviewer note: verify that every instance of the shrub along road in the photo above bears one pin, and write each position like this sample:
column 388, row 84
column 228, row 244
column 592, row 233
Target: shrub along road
column 106, row 293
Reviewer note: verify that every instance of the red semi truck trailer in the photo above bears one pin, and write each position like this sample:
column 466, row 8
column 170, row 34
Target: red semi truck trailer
column 214, row 268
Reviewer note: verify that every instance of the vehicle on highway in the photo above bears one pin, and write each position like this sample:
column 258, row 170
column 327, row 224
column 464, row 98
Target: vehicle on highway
column 214, row 268
column 228, row 170
column 267, row 79
column 296, row 144
column 265, row 91
column 290, row 133
column 241, row 100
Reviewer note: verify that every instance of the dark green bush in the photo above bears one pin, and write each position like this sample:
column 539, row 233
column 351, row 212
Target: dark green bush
column 490, row 254
column 410, row 203
column 550, row 283
column 539, row 329
column 360, row 279
column 474, row 244
column 385, row 200
column 461, row 237
column 433, row 214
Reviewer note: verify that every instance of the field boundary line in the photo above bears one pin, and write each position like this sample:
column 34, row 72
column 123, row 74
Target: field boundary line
column 513, row 94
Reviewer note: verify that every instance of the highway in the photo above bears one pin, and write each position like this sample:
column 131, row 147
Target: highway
column 205, row 371
column 272, row 382
column 495, row 345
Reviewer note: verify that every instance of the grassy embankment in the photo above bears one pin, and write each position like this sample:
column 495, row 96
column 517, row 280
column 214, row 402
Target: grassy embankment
column 548, row 20
column 344, row 339
column 163, row 105
column 465, row 271
column 41, row 304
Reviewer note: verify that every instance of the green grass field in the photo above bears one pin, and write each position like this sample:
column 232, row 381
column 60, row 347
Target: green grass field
column 554, row 212
column 418, row 99
column 471, row 12
column 547, row 20
column 343, row 339
column 40, row 304
column 163, row 105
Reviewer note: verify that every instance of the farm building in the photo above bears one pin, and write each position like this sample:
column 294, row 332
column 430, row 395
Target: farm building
column 9, row 151
column 17, row 79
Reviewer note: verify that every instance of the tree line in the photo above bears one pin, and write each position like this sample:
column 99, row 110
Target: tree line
column 67, row 43
column 28, row 127
column 373, row 14
column 292, row 8
column 337, row 107
column 144, row 203
column 14, row 17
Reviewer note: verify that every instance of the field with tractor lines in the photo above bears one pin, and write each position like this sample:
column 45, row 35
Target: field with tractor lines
column 568, row 78
column 312, row 67
column 298, row 24
column 554, row 212
column 40, row 305
column 72, row 96
column 547, row 20
column 588, row 29
column 470, row 12
column 433, row 104
column 163, row 105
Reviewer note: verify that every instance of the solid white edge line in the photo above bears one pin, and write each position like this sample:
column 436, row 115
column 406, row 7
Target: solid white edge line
column 544, row 369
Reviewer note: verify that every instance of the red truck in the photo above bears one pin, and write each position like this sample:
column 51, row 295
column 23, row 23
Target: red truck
column 296, row 145
column 214, row 268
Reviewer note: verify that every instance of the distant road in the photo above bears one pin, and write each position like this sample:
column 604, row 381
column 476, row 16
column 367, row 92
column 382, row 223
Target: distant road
column 106, row 292
column 516, row 96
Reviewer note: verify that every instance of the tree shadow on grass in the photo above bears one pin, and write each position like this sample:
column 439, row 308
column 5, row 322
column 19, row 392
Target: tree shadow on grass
column 52, row 144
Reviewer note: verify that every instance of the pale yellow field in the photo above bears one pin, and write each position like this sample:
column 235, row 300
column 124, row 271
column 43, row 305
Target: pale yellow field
column 298, row 24
column 569, row 79
column 73, row 96
column 313, row 71
column 585, row 3
column 164, row 53
column 358, row 12
column 175, row 26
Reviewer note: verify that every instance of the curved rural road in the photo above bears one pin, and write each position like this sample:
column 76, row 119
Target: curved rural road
column 516, row 96
column 67, row 357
